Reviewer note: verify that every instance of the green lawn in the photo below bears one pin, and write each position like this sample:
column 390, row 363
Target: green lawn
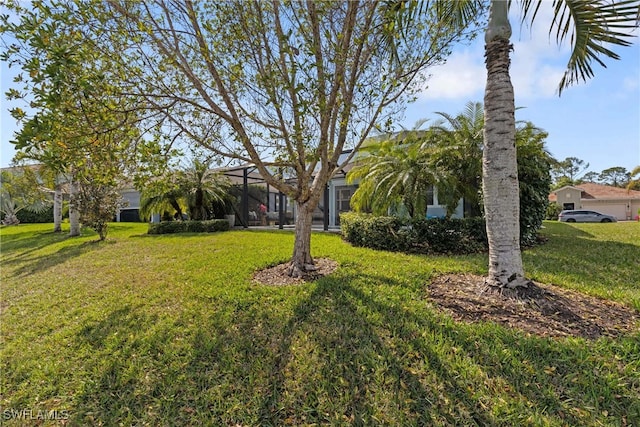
column 170, row 330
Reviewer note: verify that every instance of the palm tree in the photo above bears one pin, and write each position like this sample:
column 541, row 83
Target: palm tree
column 202, row 187
column 591, row 26
column 394, row 174
column 459, row 152
column 19, row 190
column 160, row 197
column 194, row 188
column 594, row 24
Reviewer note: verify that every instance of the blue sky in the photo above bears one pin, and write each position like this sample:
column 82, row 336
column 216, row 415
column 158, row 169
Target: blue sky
column 597, row 121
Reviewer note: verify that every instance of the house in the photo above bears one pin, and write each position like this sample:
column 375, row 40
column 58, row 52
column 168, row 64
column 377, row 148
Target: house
column 255, row 191
column 619, row 202
column 279, row 208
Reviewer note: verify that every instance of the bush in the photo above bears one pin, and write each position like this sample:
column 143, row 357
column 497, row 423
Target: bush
column 27, row 217
column 424, row 236
column 377, row 232
column 449, row 236
column 553, row 211
column 170, row 227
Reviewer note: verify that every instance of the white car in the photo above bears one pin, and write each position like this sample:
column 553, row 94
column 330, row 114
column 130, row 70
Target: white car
column 585, row 216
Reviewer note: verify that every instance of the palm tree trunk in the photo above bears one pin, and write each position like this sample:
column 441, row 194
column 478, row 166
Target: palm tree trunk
column 57, row 208
column 74, row 213
column 499, row 168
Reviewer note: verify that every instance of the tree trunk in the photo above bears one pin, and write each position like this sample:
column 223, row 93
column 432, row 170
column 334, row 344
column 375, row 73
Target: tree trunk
column 74, row 213
column 57, row 209
column 499, row 168
column 301, row 261
column 10, row 218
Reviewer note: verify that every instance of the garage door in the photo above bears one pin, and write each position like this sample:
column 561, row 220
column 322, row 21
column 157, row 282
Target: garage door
column 619, row 211
column 129, row 215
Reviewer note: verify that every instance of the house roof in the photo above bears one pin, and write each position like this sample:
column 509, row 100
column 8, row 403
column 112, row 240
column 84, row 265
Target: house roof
column 591, row 191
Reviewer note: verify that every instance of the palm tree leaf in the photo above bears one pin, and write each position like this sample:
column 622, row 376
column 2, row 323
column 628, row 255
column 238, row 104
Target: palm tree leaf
column 590, row 27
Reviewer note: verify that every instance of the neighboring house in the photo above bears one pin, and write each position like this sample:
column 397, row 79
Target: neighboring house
column 619, row 202
column 130, row 212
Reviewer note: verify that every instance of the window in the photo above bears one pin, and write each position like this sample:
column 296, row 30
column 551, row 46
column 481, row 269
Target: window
column 430, row 196
column 343, row 199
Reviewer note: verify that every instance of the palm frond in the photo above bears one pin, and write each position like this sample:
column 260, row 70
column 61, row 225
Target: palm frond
column 591, row 27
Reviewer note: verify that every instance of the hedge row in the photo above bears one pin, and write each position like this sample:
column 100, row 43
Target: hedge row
column 27, row 217
column 424, row 236
column 168, row 227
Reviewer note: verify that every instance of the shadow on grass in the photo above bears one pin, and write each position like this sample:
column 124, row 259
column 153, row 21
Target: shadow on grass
column 345, row 355
column 29, row 264
column 609, row 265
column 564, row 229
column 29, row 241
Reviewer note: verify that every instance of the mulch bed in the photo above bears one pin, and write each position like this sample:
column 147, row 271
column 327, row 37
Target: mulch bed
column 279, row 276
column 543, row 310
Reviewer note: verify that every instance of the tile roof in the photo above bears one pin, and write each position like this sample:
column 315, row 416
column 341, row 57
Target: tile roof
column 591, row 191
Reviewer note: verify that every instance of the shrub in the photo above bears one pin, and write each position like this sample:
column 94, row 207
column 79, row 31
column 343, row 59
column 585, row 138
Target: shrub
column 170, row 227
column 425, row 236
column 553, row 210
column 28, row 217
column 376, row 232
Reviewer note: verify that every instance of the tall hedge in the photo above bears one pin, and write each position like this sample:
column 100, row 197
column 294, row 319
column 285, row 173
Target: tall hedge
column 424, row 236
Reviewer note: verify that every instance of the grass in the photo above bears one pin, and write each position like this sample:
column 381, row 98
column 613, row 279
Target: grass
column 170, row 330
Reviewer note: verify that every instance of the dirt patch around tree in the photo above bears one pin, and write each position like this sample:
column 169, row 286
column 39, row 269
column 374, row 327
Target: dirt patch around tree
column 279, row 274
column 544, row 310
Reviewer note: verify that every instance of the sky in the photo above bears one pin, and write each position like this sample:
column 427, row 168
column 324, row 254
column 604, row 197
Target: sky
column 597, row 121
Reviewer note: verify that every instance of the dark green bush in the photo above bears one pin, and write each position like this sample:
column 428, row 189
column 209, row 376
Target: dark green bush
column 169, row 227
column 449, row 236
column 27, row 217
column 377, row 232
column 425, row 236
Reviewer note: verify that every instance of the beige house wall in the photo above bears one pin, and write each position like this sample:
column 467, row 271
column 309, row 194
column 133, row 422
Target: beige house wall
column 569, row 195
column 635, row 208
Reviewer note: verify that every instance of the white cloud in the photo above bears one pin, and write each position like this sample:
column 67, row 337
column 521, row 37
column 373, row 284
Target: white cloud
column 461, row 77
column 537, row 64
column 630, row 84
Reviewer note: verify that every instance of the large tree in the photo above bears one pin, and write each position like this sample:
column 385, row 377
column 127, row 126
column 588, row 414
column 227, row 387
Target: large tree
column 591, row 26
column 567, row 171
column 283, row 86
column 82, row 131
column 616, row 176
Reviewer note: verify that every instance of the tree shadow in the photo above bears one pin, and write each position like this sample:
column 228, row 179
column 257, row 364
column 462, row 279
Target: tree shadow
column 344, row 354
column 564, row 230
column 30, row 264
column 611, row 263
column 29, row 241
